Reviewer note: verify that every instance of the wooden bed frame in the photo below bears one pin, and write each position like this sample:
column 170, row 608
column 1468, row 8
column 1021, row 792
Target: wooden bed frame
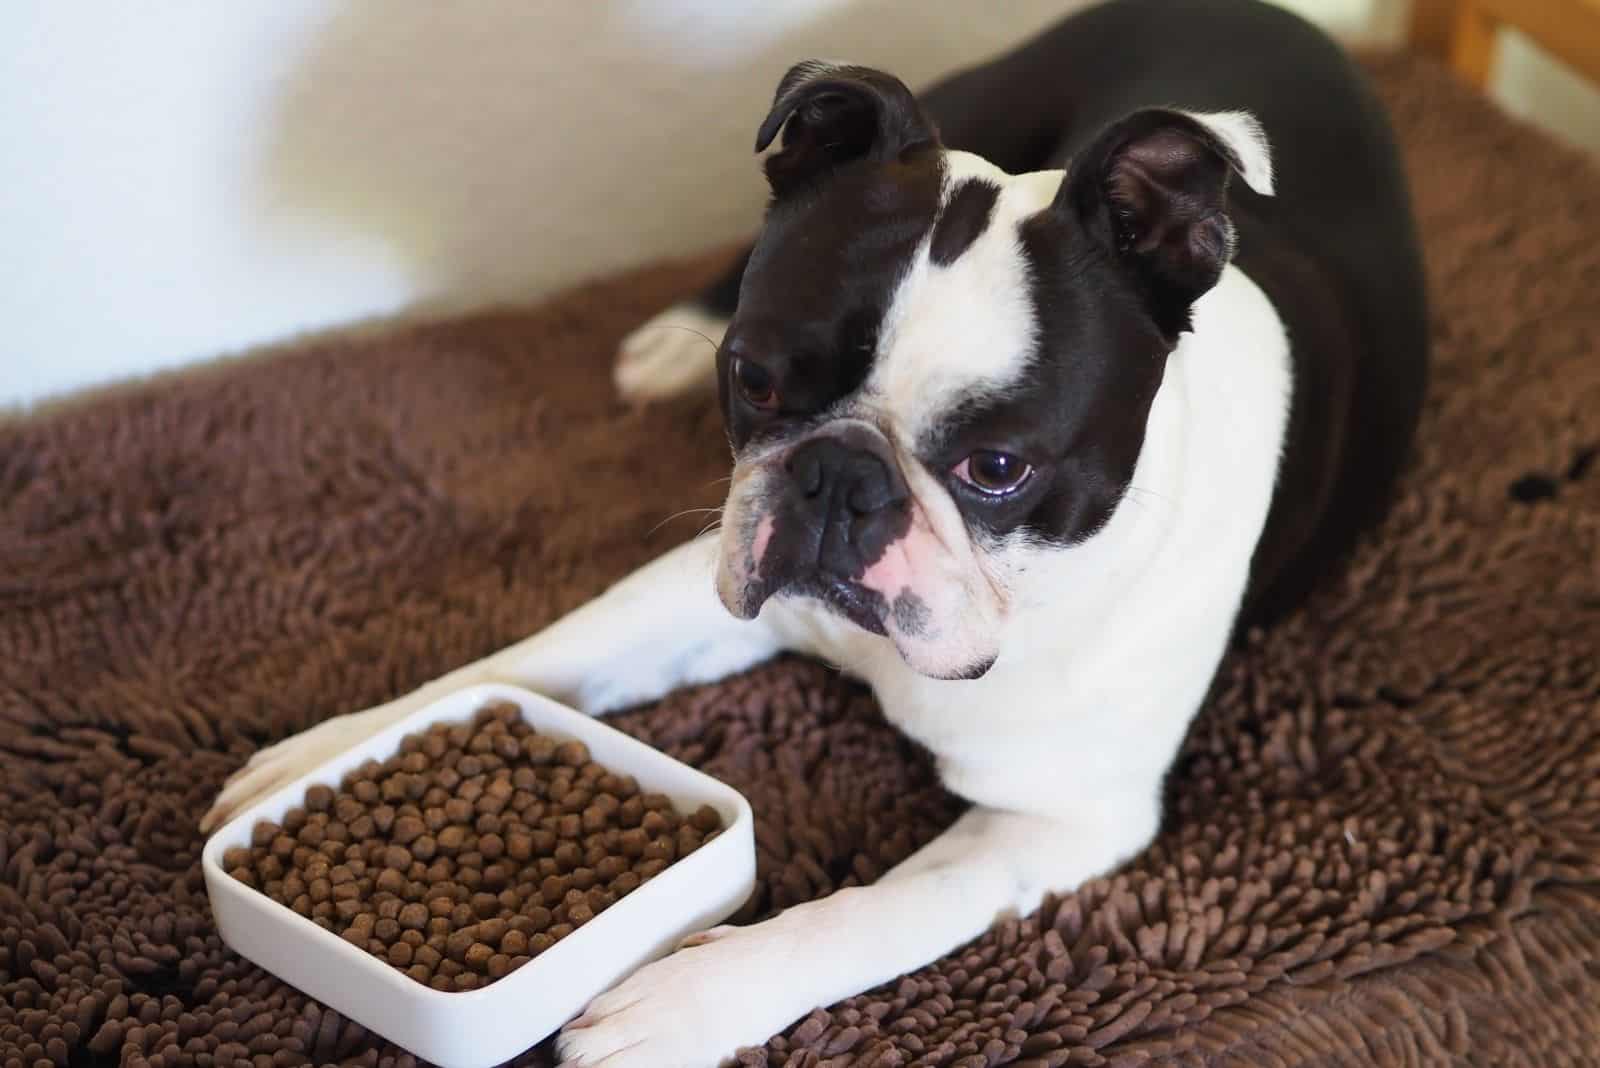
column 1464, row 32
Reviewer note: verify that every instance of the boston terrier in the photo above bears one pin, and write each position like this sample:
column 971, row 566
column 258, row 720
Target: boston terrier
column 1039, row 386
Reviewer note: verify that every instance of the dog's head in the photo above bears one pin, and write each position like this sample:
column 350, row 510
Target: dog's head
column 939, row 371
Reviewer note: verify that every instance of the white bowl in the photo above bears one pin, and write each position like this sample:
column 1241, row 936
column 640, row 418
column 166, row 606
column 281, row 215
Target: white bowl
column 477, row 1028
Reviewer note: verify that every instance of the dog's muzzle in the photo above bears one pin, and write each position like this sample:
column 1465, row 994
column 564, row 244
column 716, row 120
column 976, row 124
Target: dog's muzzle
column 842, row 502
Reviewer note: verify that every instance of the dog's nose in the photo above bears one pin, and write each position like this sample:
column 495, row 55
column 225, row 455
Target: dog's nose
column 852, row 489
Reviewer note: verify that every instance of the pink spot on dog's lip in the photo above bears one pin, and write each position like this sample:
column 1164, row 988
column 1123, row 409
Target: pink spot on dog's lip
column 758, row 548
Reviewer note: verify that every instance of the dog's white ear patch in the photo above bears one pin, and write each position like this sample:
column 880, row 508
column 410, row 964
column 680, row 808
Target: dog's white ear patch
column 1245, row 138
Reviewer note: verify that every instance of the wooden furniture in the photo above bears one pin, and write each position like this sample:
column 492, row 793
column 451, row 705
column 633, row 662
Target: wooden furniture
column 1465, row 32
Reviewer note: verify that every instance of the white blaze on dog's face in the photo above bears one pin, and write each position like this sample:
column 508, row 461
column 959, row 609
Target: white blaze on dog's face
column 938, row 371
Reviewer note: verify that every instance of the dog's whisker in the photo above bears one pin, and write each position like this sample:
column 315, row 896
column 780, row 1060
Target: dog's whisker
column 688, row 330
column 680, row 515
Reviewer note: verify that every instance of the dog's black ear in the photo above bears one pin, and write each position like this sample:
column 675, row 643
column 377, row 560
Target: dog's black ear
column 1154, row 188
column 831, row 115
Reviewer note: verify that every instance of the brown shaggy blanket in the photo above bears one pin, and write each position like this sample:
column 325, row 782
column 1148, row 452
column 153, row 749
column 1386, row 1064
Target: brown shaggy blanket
column 1383, row 835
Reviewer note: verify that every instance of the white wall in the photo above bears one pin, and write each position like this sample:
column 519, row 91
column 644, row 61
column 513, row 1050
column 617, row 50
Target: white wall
column 182, row 181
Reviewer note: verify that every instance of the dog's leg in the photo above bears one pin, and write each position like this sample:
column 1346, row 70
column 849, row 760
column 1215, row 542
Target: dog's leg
column 736, row 986
column 657, row 629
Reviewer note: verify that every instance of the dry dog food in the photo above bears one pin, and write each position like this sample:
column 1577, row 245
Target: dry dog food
column 472, row 850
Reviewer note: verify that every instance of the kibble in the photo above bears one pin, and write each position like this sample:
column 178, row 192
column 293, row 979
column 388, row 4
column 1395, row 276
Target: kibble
column 470, row 851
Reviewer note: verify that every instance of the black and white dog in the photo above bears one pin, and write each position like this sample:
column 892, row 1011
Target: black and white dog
column 1035, row 390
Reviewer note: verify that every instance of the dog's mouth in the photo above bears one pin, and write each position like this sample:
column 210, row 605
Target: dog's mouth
column 861, row 606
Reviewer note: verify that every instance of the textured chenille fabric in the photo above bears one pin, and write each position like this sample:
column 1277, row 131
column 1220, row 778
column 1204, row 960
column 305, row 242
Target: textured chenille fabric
column 1382, row 843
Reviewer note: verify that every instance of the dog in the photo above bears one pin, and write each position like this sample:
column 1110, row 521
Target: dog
column 1040, row 387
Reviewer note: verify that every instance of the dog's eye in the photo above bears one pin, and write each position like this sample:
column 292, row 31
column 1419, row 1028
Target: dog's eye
column 755, row 384
column 993, row 473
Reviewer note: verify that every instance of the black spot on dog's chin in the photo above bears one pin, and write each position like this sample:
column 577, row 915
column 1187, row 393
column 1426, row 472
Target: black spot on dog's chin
column 911, row 613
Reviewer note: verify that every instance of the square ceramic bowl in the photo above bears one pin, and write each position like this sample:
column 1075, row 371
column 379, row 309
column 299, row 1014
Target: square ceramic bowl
column 482, row 1027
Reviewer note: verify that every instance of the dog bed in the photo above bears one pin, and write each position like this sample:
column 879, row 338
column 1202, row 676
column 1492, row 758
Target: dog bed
column 1383, row 834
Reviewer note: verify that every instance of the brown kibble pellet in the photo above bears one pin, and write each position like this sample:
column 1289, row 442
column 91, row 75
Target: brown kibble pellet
column 408, row 829
column 319, row 798
column 631, row 812
column 538, row 749
column 413, row 916
column 492, row 930
column 573, row 754
column 477, row 956
column 460, row 941
column 634, row 842
column 554, row 888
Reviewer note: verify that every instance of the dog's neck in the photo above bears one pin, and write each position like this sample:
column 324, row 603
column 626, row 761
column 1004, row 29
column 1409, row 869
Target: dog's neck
column 1118, row 636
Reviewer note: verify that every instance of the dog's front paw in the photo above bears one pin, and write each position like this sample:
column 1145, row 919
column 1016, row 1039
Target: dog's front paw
column 723, row 989
column 294, row 756
column 671, row 354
